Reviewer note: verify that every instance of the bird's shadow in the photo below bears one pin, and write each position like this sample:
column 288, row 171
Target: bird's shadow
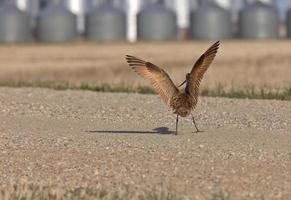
column 158, row 130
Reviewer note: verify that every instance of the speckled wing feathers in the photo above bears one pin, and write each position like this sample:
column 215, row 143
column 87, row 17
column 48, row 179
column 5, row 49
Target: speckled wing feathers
column 157, row 77
column 200, row 68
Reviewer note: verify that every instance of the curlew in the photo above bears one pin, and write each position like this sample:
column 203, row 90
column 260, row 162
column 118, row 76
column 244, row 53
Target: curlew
column 182, row 102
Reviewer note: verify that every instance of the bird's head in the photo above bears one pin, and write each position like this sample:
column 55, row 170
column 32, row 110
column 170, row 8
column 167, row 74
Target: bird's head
column 187, row 79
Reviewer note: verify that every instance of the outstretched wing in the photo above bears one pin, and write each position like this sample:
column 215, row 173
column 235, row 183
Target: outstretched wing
column 157, row 77
column 200, row 68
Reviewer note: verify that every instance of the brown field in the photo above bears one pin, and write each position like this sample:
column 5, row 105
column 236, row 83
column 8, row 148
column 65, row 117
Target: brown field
column 76, row 144
column 238, row 63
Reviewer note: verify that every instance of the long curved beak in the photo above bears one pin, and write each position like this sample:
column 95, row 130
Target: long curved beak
column 182, row 83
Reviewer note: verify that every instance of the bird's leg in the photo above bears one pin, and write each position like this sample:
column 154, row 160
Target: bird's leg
column 177, row 120
column 197, row 130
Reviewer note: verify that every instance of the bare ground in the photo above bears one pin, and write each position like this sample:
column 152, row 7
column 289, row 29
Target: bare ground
column 74, row 138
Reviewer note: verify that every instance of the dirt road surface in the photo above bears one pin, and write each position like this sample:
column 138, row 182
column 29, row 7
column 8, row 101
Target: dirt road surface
column 76, row 137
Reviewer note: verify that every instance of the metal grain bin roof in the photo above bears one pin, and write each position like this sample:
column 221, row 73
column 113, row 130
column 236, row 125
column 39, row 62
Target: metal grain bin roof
column 56, row 24
column 156, row 22
column 210, row 21
column 106, row 22
column 14, row 25
column 289, row 23
column 259, row 20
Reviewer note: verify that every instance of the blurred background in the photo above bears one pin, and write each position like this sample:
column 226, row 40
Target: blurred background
column 84, row 41
column 132, row 20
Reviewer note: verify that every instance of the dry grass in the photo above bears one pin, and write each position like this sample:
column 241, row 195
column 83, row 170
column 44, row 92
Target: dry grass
column 249, row 91
column 242, row 69
column 238, row 63
column 24, row 190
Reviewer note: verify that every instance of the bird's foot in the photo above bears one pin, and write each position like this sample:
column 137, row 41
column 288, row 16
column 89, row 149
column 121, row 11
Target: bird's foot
column 197, row 131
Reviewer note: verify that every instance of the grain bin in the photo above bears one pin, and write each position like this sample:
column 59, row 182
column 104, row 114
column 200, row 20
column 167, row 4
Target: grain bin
column 156, row 22
column 210, row 21
column 259, row 20
column 30, row 7
column 106, row 22
column 80, row 8
column 56, row 24
column 14, row 24
column 289, row 23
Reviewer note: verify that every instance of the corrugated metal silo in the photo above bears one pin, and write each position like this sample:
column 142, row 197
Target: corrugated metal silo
column 156, row 22
column 259, row 20
column 14, row 25
column 288, row 20
column 30, row 7
column 182, row 9
column 80, row 8
column 106, row 22
column 56, row 24
column 210, row 21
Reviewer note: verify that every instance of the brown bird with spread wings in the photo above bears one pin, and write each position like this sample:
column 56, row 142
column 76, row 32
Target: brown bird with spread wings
column 182, row 102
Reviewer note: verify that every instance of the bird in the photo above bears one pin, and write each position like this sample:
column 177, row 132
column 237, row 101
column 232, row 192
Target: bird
column 183, row 102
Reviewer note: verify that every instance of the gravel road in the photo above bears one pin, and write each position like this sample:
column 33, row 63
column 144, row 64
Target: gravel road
column 75, row 137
